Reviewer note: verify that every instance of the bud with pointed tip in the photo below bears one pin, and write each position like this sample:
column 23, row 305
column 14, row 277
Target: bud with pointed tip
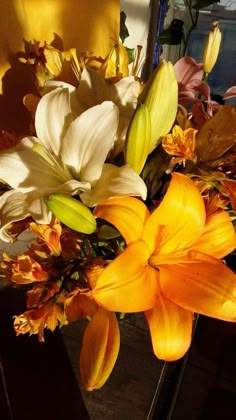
column 212, row 48
column 160, row 95
column 71, row 212
column 138, row 139
column 100, row 347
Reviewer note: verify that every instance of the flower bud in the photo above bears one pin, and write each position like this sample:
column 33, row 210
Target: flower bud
column 160, row 95
column 71, row 212
column 138, row 139
column 212, row 48
column 100, row 347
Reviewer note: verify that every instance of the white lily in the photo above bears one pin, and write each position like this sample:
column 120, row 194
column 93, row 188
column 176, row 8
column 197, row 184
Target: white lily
column 67, row 156
column 93, row 90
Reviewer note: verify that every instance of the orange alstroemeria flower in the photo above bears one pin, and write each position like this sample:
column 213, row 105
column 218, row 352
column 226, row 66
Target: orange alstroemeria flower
column 170, row 267
column 50, row 235
column 180, row 143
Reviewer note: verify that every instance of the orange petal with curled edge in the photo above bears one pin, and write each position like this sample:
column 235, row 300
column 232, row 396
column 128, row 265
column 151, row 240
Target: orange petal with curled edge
column 170, row 328
column 128, row 284
column 127, row 214
column 203, row 285
column 218, row 238
column 181, row 214
column 100, row 347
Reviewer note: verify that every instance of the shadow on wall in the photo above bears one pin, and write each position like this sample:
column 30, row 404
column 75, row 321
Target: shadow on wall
column 72, row 20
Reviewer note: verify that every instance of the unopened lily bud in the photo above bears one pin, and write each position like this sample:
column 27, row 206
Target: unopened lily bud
column 160, row 95
column 100, row 347
column 212, row 48
column 71, row 212
column 138, row 139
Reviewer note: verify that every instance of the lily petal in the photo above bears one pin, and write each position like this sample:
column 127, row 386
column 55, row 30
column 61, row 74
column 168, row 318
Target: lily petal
column 115, row 182
column 122, row 213
column 128, row 284
column 100, row 347
column 218, row 238
column 12, row 208
column 89, row 140
column 52, row 118
column 171, row 329
column 182, row 215
column 23, row 168
column 206, row 286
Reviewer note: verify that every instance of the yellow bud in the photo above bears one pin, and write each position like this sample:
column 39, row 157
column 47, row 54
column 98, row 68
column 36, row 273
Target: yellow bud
column 212, row 48
column 161, row 97
column 138, row 139
column 71, row 212
column 100, row 347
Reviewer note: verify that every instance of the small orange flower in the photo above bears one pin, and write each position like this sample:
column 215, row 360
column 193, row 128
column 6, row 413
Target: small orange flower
column 49, row 234
column 23, row 269
column 35, row 321
column 180, row 143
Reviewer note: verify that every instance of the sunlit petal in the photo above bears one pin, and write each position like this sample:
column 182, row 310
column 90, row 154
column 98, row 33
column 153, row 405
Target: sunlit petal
column 115, row 182
column 171, row 329
column 23, row 168
column 52, row 118
column 89, row 140
column 182, row 215
column 123, row 213
column 206, row 286
column 218, row 238
column 100, row 347
column 128, row 284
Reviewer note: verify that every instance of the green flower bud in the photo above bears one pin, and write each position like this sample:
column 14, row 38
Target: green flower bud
column 71, row 212
column 161, row 97
column 138, row 139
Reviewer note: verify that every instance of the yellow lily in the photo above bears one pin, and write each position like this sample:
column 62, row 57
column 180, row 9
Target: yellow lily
column 170, row 267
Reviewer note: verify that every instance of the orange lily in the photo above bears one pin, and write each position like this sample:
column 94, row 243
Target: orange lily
column 170, row 267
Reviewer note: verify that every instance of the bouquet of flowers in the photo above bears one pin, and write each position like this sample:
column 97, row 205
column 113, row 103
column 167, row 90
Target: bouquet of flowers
column 129, row 191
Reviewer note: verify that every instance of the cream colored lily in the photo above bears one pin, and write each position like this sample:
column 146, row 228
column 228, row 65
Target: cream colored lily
column 94, row 90
column 67, row 156
column 170, row 267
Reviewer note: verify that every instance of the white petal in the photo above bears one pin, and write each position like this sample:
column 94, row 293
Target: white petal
column 74, row 99
column 24, row 169
column 115, row 182
column 93, row 89
column 88, row 141
column 53, row 116
column 126, row 92
column 12, row 208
